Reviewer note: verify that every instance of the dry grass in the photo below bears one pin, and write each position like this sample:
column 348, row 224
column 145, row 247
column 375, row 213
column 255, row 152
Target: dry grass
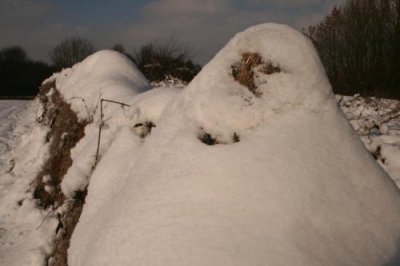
column 243, row 71
column 67, row 225
column 65, row 132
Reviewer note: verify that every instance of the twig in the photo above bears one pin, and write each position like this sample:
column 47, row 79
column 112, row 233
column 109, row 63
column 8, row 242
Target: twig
column 44, row 219
column 390, row 117
column 85, row 105
column 111, row 101
column 99, row 135
column 101, row 126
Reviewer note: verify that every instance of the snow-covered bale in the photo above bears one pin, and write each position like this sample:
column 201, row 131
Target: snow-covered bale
column 71, row 103
column 105, row 74
column 233, row 175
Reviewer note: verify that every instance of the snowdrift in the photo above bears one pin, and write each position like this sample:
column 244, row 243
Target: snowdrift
column 251, row 164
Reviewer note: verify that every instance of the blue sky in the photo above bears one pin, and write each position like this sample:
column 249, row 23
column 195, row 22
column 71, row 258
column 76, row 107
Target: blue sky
column 203, row 25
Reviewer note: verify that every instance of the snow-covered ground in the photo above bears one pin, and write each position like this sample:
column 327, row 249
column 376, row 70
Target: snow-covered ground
column 9, row 112
column 377, row 121
column 217, row 173
column 25, row 234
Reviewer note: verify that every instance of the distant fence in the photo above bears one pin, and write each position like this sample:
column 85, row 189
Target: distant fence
column 17, row 97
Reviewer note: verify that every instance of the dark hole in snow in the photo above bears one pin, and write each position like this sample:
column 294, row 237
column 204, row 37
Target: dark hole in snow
column 80, row 196
column 236, row 138
column 60, row 224
column 377, row 154
column 209, row 139
column 143, row 129
column 269, row 69
column 11, row 166
column 48, row 137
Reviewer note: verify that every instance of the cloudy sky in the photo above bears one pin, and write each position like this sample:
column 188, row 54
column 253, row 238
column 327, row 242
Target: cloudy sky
column 203, row 25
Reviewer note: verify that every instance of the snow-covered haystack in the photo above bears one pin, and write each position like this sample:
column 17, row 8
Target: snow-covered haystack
column 57, row 150
column 252, row 164
column 107, row 92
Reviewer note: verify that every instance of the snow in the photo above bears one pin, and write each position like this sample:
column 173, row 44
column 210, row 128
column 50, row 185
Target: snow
column 8, row 109
column 377, row 121
column 105, row 74
column 298, row 189
column 288, row 181
column 26, row 232
column 144, row 107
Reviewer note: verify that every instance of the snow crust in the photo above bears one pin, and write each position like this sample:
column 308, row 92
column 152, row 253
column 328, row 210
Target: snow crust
column 299, row 188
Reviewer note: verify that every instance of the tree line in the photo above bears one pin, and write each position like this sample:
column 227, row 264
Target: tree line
column 359, row 45
column 22, row 76
column 358, row 42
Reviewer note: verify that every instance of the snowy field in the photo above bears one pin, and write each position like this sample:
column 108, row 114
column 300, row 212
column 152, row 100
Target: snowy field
column 219, row 172
column 9, row 115
column 25, row 237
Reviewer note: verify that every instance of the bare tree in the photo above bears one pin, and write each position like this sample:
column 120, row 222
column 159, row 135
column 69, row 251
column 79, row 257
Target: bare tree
column 119, row 48
column 160, row 59
column 13, row 54
column 71, row 51
column 20, row 75
column 359, row 44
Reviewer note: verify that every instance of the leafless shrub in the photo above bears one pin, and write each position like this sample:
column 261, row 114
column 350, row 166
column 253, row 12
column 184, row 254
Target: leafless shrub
column 71, row 51
column 358, row 43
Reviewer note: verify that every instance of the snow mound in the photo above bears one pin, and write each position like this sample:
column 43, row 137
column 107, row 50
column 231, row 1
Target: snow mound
column 39, row 201
column 144, row 108
column 105, row 74
column 300, row 80
column 268, row 173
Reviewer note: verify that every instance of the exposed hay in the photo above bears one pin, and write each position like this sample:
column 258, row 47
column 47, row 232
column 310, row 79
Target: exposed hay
column 243, row 71
column 65, row 132
column 66, row 227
